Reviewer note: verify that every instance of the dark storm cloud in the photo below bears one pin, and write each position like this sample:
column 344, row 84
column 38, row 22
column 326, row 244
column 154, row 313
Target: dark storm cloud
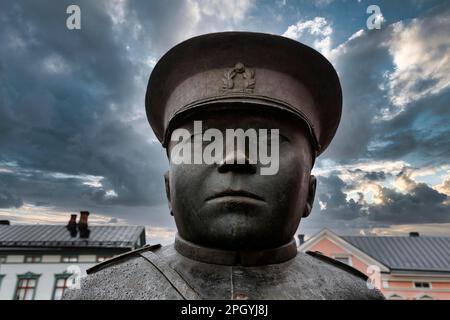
column 419, row 204
column 422, row 204
column 7, row 200
column 157, row 18
column 360, row 69
column 371, row 175
column 159, row 25
column 375, row 176
column 72, row 102
column 418, row 131
column 422, row 130
column 73, row 132
column 366, row 68
column 331, row 192
column 68, row 105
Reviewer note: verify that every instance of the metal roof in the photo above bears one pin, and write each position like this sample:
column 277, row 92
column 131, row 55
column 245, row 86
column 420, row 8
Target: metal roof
column 57, row 236
column 406, row 253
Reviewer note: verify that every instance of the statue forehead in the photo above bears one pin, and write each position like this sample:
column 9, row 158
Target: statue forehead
column 256, row 125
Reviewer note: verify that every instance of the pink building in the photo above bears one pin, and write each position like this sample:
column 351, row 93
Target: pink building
column 406, row 267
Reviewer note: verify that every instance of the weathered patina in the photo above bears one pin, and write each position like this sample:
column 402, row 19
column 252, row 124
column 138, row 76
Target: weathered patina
column 235, row 226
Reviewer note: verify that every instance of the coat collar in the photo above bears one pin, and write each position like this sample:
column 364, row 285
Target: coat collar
column 233, row 258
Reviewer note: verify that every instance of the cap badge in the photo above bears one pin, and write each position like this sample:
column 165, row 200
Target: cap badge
column 238, row 79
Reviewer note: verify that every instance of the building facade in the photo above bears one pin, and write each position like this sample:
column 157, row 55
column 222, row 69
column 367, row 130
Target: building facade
column 405, row 267
column 41, row 261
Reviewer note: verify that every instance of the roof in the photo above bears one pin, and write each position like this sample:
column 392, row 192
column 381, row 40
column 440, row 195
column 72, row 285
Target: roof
column 406, row 253
column 57, row 236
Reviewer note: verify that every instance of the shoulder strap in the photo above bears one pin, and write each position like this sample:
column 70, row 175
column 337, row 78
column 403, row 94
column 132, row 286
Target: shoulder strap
column 341, row 265
column 120, row 258
column 173, row 277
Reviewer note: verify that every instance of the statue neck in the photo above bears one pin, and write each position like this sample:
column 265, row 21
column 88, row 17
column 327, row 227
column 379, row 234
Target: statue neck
column 246, row 258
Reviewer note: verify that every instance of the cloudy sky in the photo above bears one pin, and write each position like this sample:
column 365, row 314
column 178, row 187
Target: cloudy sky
column 74, row 136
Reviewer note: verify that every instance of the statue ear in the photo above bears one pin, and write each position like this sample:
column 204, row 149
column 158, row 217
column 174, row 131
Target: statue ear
column 311, row 195
column 167, row 183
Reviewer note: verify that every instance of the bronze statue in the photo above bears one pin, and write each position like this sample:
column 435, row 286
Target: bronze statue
column 235, row 225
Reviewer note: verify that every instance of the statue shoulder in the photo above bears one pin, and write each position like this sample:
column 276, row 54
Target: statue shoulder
column 352, row 280
column 122, row 258
column 128, row 276
column 337, row 264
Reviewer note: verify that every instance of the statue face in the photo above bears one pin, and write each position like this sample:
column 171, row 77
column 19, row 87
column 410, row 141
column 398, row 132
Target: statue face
column 233, row 206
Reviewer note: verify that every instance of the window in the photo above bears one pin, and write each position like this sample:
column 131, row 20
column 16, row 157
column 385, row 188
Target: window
column 395, row 297
column 61, row 284
column 69, row 259
column 343, row 259
column 422, row 285
column 33, row 259
column 1, row 278
column 2, row 259
column 102, row 258
column 26, row 286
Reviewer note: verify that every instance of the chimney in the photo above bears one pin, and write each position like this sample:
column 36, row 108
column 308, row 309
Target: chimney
column 414, row 234
column 72, row 225
column 301, row 239
column 83, row 224
column 4, row 222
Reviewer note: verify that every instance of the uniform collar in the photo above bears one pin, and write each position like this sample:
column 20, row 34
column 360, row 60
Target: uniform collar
column 233, row 258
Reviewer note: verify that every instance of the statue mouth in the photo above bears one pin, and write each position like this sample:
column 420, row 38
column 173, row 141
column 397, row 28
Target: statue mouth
column 235, row 195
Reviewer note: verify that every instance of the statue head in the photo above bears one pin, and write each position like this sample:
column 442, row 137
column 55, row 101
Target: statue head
column 243, row 117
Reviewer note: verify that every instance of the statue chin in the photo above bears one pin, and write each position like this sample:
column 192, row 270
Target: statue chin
column 238, row 231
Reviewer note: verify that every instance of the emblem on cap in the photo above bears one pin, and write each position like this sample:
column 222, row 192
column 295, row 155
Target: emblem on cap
column 238, row 79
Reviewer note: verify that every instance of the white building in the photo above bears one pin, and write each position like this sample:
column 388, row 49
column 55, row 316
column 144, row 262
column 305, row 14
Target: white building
column 40, row 261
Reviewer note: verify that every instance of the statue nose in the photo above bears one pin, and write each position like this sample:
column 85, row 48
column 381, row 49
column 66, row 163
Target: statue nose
column 236, row 161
